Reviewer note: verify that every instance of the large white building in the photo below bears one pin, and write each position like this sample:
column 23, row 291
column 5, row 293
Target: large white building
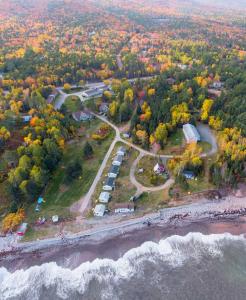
column 191, row 133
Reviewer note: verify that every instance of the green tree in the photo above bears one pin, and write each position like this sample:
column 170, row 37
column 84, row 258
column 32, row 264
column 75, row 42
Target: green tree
column 88, row 150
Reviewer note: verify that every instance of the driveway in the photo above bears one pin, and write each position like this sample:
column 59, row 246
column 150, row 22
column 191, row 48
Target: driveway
column 208, row 136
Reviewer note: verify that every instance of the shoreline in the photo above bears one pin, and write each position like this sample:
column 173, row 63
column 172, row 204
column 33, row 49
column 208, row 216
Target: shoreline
column 114, row 242
column 200, row 212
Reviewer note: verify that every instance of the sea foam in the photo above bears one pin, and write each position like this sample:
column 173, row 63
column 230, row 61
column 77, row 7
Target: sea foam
column 174, row 250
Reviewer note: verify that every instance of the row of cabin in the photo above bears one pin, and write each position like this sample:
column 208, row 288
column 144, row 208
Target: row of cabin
column 109, row 185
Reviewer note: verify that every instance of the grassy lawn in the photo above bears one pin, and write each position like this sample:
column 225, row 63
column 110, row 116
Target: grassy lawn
column 149, row 202
column 124, row 189
column 175, row 143
column 147, row 163
column 73, row 104
column 59, row 196
column 206, row 147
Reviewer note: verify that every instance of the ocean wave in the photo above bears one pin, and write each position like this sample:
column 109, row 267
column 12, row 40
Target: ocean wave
column 174, row 251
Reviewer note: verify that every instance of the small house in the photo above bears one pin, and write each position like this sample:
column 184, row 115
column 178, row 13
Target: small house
column 217, row 84
column 104, row 197
column 121, row 151
column 124, row 207
column 103, row 108
column 114, row 171
column 26, row 118
column 81, row 116
column 109, row 184
column 188, row 174
column 118, row 160
column 159, row 168
column 99, row 210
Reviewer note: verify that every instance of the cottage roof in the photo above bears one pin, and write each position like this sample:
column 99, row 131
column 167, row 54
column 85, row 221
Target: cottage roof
column 104, row 197
column 118, row 158
column 110, row 181
column 100, row 209
column 114, row 169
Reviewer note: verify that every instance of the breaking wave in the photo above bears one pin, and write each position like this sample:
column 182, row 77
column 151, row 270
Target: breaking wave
column 51, row 279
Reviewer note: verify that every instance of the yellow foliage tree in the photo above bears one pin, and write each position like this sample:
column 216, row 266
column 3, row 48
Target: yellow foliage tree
column 12, row 220
column 206, row 107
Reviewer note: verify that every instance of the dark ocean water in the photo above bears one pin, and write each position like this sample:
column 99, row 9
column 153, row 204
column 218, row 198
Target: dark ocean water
column 192, row 267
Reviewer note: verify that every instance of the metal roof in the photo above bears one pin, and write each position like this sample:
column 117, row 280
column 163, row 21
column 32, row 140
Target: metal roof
column 191, row 133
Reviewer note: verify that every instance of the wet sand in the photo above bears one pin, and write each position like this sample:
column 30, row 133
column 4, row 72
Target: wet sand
column 73, row 255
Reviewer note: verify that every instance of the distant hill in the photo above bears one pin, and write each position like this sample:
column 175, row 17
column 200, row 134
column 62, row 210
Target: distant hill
column 42, row 7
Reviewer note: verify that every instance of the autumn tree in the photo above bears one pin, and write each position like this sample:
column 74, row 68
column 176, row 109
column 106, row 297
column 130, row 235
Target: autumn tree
column 161, row 133
column 180, row 114
column 205, row 110
column 4, row 136
column 12, row 220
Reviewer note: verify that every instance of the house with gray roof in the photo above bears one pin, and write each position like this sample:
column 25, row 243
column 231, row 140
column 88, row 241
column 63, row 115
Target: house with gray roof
column 109, row 184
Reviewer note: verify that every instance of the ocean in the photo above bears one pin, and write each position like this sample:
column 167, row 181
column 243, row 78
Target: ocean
column 193, row 267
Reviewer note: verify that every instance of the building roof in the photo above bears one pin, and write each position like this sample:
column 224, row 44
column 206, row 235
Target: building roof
column 159, row 168
column 191, row 133
column 103, row 107
column 100, row 209
column 104, row 197
column 81, row 115
column 118, row 158
column 188, row 174
column 114, row 169
column 109, row 181
column 92, row 92
column 122, row 149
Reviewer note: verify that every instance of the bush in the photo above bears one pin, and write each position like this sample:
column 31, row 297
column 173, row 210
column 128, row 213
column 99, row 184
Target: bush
column 182, row 182
column 88, row 150
column 73, row 170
